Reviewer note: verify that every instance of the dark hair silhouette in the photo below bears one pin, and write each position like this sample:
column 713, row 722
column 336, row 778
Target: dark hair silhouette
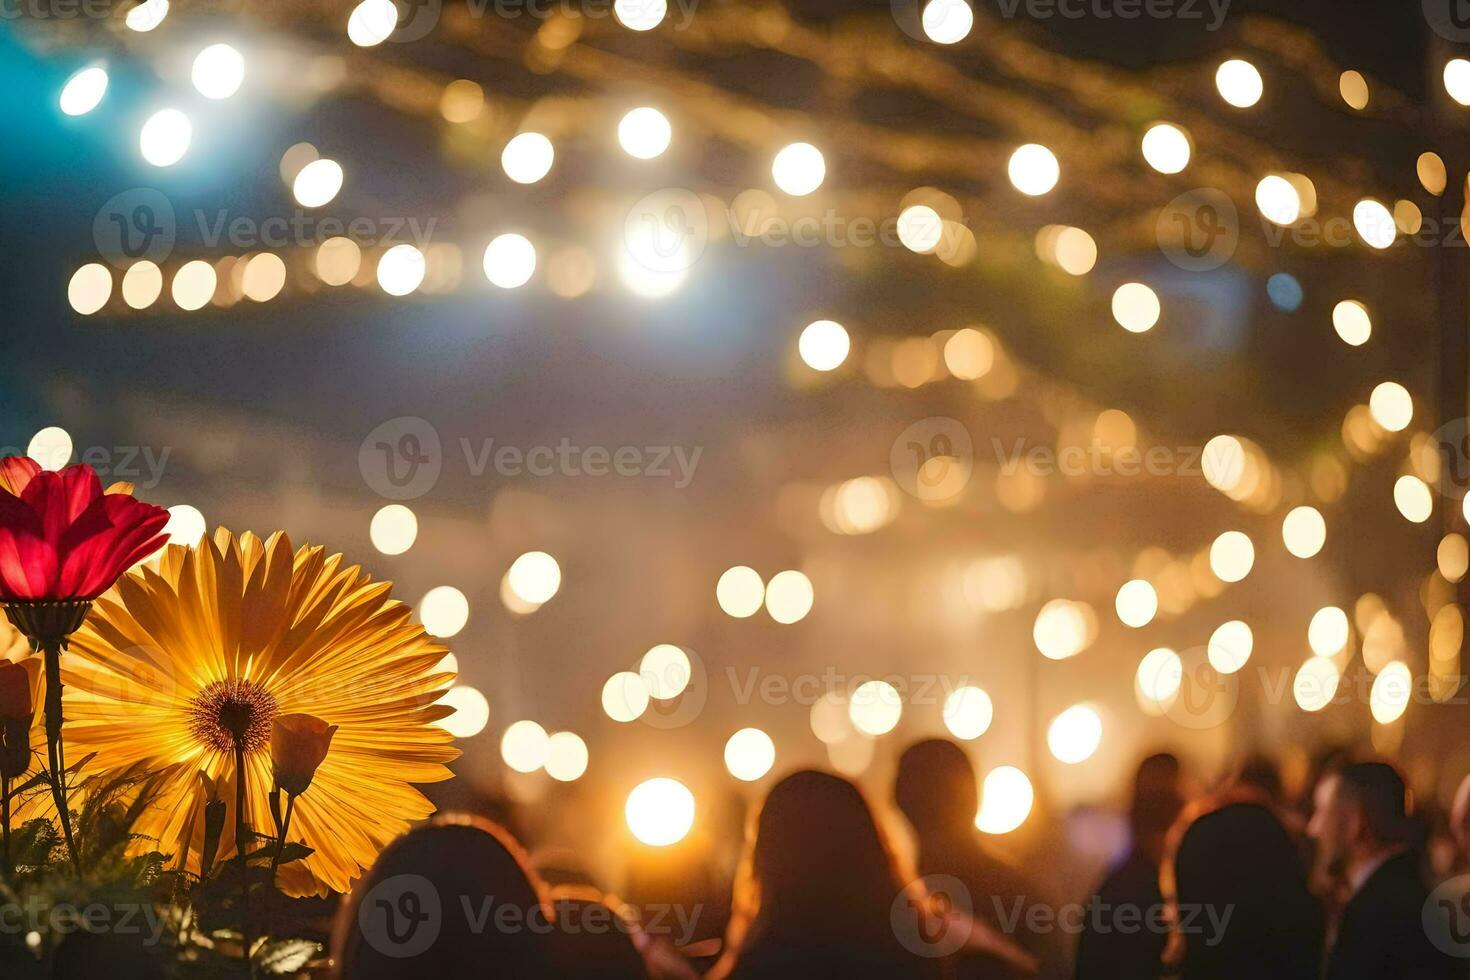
column 593, row 938
column 1156, row 797
column 1379, row 790
column 816, row 890
column 1239, row 859
column 455, row 879
column 936, row 787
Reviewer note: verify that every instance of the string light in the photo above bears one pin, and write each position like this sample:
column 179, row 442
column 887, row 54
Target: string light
column 1167, row 148
column 947, row 21
column 824, row 345
column 83, row 91
column 644, row 133
column 218, row 71
column 798, row 169
column 1136, row 307
column 510, row 261
column 142, row 284
column 265, row 276
column 1033, row 169
column 165, row 137
column 1239, row 83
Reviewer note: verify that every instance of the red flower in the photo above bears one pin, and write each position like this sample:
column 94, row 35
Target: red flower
column 63, row 538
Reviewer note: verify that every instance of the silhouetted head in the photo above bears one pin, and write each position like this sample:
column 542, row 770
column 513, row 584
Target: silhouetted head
column 1261, row 773
column 592, row 938
column 936, row 788
column 1362, row 810
column 1238, row 860
column 446, row 899
column 1157, row 800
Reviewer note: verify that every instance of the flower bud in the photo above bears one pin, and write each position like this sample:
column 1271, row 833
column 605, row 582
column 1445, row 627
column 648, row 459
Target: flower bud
column 16, row 683
column 299, row 743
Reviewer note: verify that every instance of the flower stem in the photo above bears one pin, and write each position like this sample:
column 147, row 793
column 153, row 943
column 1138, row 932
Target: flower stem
column 55, row 752
column 241, row 845
column 281, row 841
column 5, row 821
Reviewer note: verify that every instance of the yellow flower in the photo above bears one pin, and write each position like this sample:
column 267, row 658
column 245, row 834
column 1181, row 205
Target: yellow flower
column 223, row 638
column 15, row 649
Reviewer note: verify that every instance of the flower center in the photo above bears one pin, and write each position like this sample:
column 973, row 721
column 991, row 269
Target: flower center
column 231, row 712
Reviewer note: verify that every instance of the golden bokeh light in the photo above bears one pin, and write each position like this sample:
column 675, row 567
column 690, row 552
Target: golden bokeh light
column 1392, row 406
column 1315, row 684
column 1033, row 169
column 1353, row 88
column 1278, row 200
column 968, row 712
column 165, row 137
column 566, row 757
column 829, row 718
column 471, row 711
column 789, row 596
column 338, row 261
column 1167, row 148
column 1231, row 556
column 1159, row 676
column 401, row 270
column 83, row 91
column 660, row 811
column 462, row 101
column 534, row 577
column 1388, row 699
column 824, row 345
column 527, row 157
column 740, row 592
column 1431, row 171
column 394, row 529
column 1328, row 632
column 1457, row 80
column 317, row 183
column 644, row 133
column 625, row 696
column 1137, row 603
column 142, row 284
column 666, row 671
column 1006, row 798
column 947, row 21
column 1063, row 628
column 265, row 277
column 1074, row 735
column 51, row 447
column 640, row 15
column 1453, row 556
column 186, row 525
column 1374, row 223
column 1135, row 307
column 1352, row 322
column 1413, row 498
column 444, row 611
column 1239, row 83
column 969, row 354
column 218, row 71
column 749, row 754
column 1304, row 531
column 798, row 169
column 193, row 285
column 920, row 228
column 1230, row 646
column 523, row 746
column 510, row 261
column 875, row 708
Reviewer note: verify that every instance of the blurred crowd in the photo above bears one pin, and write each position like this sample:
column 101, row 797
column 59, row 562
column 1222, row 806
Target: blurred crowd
column 1345, row 879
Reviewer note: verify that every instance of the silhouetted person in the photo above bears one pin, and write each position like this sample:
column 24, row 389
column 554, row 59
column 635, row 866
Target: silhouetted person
column 453, row 898
column 1242, row 907
column 1363, row 828
column 1460, row 824
column 937, row 792
column 816, row 890
column 1125, row 932
column 596, row 936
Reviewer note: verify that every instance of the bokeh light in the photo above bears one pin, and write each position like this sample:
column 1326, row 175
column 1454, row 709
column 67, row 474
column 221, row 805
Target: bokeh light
column 1278, row 200
column 947, row 21
column 1315, row 684
column 90, row 288
column 142, row 284
column 968, row 712
column 666, row 671
column 1413, row 498
column 527, row 157
column 1374, row 223
column 1328, row 632
column 789, row 596
column 51, row 447
column 920, row 228
column 660, row 811
column 1075, row 734
column 740, row 592
column 534, row 577
column 875, row 708
column 401, row 270
column 1135, row 307
column 372, row 22
column 824, row 345
column 749, row 754
column 1304, row 531
column 1159, row 676
column 471, row 711
column 444, row 611
column 1231, row 556
column 1389, row 696
column 1033, row 169
column 1006, row 798
column 640, row 15
column 524, row 745
column 1230, row 646
column 644, row 133
column 317, row 183
column 1167, row 148
column 194, row 284
column 186, row 525
column 165, row 137
column 146, row 15
column 566, row 757
column 798, row 169
column 1392, row 406
column 1352, row 322
column 1137, row 603
column 83, row 91
column 1239, row 83
column 1457, row 80
column 625, row 696
column 218, row 71
column 394, row 529
column 1063, row 629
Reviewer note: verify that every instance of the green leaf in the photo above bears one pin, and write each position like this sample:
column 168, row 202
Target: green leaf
column 282, row 956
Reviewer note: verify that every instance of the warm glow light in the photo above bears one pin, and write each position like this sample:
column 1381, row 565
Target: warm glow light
column 566, row 757
column 1076, row 251
column 194, row 284
column 750, row 754
column 660, row 811
column 1006, row 797
column 875, row 708
column 165, row 137
column 372, row 22
column 471, row 711
column 968, row 712
column 1391, row 406
column 1166, row 147
column 644, row 133
column 666, row 671
column 90, row 288
column 218, row 71
column 1351, row 321
column 799, row 169
column 444, row 611
column 829, row 718
column 509, row 261
column 394, row 529
column 534, row 577
column 1239, row 83
column 640, row 15
column 1457, row 80
column 789, row 596
column 1374, row 223
column 523, row 747
column 1353, row 88
column 1316, row 683
column 625, row 696
column 1412, row 497
column 947, row 21
column 1327, row 633
column 1389, row 697
column 142, row 284
column 401, row 269
column 338, row 261
column 186, row 525
column 1278, row 200
column 1304, row 531
column 146, row 15
column 317, row 183
column 1135, row 307
column 527, row 157
column 1231, row 556
column 1062, row 629
column 824, row 345
column 1033, row 169
column 84, row 91
column 1136, row 603
column 920, row 228
column 1159, row 676
column 51, row 447
column 265, row 275
column 740, row 592
column 1230, row 646
column 969, row 354
column 1075, row 734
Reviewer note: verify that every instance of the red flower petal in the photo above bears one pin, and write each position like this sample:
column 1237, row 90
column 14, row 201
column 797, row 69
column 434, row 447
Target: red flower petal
column 115, row 533
column 16, row 472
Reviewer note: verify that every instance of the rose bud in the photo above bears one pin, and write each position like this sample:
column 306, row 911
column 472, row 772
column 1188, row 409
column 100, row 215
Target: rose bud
column 16, row 682
column 299, row 743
